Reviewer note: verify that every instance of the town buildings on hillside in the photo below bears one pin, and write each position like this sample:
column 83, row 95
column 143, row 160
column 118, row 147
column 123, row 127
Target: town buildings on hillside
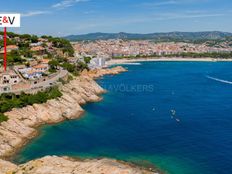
column 120, row 48
column 20, row 75
column 28, row 69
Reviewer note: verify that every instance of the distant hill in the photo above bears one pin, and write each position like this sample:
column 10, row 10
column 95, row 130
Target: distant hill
column 171, row 36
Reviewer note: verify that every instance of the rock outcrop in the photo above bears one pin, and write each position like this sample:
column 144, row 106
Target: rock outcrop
column 64, row 165
column 96, row 73
column 22, row 122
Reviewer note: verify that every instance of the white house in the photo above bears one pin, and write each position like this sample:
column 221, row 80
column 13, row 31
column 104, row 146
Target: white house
column 97, row 63
column 36, row 44
column 30, row 73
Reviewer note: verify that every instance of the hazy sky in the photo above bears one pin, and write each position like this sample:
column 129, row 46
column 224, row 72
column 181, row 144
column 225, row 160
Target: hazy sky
column 64, row 17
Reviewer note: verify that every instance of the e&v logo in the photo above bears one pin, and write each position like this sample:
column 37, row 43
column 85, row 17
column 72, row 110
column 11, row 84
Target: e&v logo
column 9, row 20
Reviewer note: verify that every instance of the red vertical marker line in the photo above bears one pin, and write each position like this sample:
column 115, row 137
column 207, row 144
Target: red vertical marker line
column 5, row 49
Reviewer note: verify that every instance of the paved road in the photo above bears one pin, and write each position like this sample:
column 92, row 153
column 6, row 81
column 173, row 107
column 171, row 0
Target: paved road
column 51, row 81
column 41, row 85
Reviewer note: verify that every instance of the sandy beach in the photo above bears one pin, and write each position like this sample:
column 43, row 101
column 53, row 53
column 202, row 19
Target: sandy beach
column 125, row 61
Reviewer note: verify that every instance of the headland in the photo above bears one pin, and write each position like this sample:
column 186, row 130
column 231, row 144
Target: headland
column 22, row 123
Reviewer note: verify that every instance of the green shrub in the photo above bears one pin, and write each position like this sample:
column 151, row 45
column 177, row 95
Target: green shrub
column 10, row 101
column 3, row 118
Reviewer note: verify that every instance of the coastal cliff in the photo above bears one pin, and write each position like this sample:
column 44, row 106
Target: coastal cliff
column 22, row 123
column 65, row 165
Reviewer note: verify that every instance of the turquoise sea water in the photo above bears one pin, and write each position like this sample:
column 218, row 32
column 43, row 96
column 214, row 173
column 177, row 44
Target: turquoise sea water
column 135, row 121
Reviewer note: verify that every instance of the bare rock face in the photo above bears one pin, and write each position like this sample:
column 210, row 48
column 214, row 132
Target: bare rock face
column 63, row 165
column 22, row 122
column 96, row 73
column 6, row 167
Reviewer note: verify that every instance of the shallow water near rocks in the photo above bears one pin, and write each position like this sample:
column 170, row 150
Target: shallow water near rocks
column 169, row 114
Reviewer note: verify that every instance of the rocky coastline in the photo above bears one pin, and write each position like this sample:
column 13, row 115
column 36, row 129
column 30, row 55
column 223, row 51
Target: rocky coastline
column 22, row 123
column 66, row 165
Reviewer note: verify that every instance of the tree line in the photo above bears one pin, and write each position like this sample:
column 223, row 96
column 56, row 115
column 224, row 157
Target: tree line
column 9, row 101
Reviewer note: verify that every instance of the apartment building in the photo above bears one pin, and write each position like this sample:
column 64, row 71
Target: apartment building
column 8, row 79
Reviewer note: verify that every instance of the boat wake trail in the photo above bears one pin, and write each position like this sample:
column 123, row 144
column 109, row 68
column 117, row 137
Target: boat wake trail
column 219, row 80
